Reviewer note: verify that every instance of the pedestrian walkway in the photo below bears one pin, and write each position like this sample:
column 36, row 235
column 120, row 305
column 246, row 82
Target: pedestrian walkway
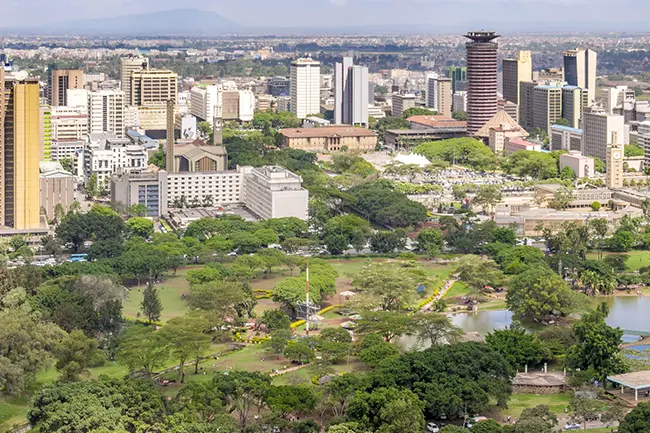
column 441, row 294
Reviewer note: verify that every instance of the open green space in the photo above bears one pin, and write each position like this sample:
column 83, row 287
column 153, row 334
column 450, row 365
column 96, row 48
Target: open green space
column 519, row 402
column 636, row 261
column 458, row 290
column 13, row 410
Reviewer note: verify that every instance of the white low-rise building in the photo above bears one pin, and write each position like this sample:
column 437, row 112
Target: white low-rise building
column 107, row 154
column 215, row 187
column 582, row 166
column 273, row 192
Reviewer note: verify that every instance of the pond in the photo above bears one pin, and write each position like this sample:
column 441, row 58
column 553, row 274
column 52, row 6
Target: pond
column 626, row 312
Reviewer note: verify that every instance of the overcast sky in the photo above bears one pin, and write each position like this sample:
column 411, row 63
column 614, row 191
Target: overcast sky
column 335, row 13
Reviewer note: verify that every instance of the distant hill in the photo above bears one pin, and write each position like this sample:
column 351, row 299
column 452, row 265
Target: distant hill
column 187, row 22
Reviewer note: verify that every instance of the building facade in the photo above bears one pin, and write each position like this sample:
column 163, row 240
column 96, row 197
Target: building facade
column 19, row 152
column 565, row 138
column 516, row 71
column 203, row 102
column 481, row 79
column 547, row 106
column 580, row 70
column 597, row 129
column 273, row 192
column 127, row 66
column 146, row 188
column 68, row 123
column 59, row 81
column 614, row 163
column 57, row 186
column 582, row 166
column 350, row 93
column 329, row 139
column 401, row 103
column 106, row 112
column 153, row 86
column 574, row 101
column 460, row 101
column 305, row 87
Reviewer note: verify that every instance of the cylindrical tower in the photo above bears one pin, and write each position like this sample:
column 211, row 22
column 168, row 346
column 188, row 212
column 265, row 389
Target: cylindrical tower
column 481, row 79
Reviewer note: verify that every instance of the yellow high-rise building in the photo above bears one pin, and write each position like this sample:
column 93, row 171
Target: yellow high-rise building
column 20, row 113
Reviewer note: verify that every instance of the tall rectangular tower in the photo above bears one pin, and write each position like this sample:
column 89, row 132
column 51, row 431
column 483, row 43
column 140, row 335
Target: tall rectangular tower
column 59, row 81
column 20, row 151
column 443, row 96
column 481, row 79
column 614, row 163
column 516, row 71
column 580, row 70
column 171, row 139
column 305, row 87
column 127, row 66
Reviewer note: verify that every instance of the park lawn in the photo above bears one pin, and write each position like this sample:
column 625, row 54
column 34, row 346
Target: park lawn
column 13, row 410
column 519, row 402
column 458, row 290
column 304, row 375
column 636, row 261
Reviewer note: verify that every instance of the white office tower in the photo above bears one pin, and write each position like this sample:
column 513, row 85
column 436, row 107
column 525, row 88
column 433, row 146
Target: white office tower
column 78, row 98
column 246, row 105
column 305, row 87
column 598, row 128
column 350, row 93
column 106, row 112
column 460, row 101
column 432, row 91
column 129, row 65
column 203, row 100
column 617, row 99
column 131, row 117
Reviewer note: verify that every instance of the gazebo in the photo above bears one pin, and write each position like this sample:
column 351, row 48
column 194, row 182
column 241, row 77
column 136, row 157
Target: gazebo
column 639, row 380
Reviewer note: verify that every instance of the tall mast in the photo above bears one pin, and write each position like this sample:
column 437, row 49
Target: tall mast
column 307, row 293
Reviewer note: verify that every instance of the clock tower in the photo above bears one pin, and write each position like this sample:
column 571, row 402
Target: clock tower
column 614, row 164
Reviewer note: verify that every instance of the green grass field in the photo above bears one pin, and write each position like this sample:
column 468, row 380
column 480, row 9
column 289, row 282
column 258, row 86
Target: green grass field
column 519, row 402
column 13, row 410
column 637, row 259
column 458, row 290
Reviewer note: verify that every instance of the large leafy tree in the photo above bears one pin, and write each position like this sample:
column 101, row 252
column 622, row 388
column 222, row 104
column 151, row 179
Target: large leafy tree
column 462, row 151
column 390, row 287
column 98, row 406
column 539, row 292
column 388, row 410
column 288, row 399
column 188, row 339
column 142, row 350
column 26, row 345
column 380, row 202
column 452, row 379
column 74, row 355
column 518, row 347
column 242, row 391
column 597, row 347
column 637, row 421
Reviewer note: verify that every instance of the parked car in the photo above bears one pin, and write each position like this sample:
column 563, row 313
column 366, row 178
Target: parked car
column 433, row 427
column 571, row 426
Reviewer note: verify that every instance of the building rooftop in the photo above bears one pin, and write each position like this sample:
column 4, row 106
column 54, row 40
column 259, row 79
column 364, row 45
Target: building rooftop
column 481, row 36
column 636, row 380
column 566, row 128
column 437, row 121
column 521, row 142
column 497, row 121
column 327, row 131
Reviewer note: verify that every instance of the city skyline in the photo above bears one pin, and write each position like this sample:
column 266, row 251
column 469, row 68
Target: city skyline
column 523, row 15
